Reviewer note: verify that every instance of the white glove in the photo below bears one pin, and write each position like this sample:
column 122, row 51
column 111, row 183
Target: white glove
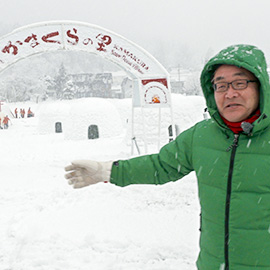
column 83, row 173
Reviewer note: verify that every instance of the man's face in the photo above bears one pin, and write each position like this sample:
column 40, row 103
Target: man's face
column 236, row 105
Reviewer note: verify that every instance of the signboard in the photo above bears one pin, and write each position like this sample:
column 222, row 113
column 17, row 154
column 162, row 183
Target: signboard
column 155, row 93
column 151, row 87
column 68, row 35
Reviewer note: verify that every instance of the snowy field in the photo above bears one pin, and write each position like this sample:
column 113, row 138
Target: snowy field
column 47, row 225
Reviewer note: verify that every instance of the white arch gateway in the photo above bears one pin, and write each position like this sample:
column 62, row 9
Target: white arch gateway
column 151, row 82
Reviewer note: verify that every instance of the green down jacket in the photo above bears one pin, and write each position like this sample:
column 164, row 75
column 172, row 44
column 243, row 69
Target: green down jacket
column 232, row 172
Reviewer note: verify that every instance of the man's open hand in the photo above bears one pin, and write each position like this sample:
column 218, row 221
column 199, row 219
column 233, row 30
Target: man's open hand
column 83, row 173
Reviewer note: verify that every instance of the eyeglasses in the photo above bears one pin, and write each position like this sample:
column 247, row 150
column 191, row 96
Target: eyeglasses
column 240, row 84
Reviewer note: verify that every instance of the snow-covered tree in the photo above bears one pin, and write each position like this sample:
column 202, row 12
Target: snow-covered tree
column 192, row 84
column 57, row 84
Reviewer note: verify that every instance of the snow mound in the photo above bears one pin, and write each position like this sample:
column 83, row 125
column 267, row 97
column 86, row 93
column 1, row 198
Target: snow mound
column 50, row 114
column 77, row 115
column 5, row 110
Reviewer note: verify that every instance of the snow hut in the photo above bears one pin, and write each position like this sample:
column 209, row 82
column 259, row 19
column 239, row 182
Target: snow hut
column 88, row 112
column 51, row 114
column 77, row 116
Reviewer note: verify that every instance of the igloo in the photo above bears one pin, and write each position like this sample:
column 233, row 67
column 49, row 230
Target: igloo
column 76, row 116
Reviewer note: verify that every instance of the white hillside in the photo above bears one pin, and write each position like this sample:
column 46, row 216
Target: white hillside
column 5, row 110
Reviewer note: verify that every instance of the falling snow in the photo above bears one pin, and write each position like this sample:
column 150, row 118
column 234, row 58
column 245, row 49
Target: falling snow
column 47, row 225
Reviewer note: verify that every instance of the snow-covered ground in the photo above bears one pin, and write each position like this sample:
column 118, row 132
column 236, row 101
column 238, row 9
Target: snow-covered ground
column 47, row 225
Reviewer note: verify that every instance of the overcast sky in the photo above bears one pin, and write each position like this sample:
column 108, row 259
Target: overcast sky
column 199, row 24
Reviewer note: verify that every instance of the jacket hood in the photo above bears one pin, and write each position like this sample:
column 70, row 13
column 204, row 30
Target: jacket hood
column 245, row 56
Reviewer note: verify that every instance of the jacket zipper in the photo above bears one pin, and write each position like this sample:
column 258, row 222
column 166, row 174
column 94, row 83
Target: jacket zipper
column 228, row 198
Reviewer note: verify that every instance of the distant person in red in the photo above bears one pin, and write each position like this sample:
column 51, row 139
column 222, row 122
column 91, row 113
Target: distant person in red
column 0, row 123
column 5, row 122
column 30, row 113
column 16, row 113
column 22, row 113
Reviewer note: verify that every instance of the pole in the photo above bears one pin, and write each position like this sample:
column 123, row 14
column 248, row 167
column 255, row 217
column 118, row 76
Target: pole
column 159, row 127
column 132, row 130
column 144, row 131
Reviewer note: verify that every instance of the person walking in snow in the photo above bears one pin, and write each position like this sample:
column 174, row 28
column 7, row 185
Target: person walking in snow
column 230, row 154
column 5, row 122
column 16, row 112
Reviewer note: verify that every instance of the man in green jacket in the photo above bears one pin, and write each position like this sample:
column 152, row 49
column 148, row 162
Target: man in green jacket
column 230, row 154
